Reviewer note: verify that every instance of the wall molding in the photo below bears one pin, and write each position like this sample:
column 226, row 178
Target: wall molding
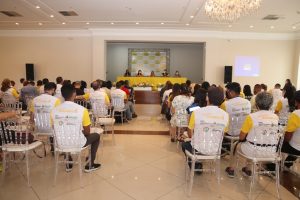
column 187, row 33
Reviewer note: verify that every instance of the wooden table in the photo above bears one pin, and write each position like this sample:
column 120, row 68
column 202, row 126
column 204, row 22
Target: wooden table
column 147, row 97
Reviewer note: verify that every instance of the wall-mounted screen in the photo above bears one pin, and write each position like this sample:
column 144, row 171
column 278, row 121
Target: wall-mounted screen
column 247, row 66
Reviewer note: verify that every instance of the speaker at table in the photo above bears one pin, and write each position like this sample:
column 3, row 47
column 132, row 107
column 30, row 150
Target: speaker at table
column 29, row 71
column 228, row 74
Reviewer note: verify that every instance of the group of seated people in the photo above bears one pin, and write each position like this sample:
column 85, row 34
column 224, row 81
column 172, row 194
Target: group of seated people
column 186, row 105
column 152, row 74
column 61, row 96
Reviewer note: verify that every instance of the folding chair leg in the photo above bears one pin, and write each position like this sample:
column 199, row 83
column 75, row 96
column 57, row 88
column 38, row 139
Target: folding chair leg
column 56, row 154
column 4, row 162
column 80, row 170
column 252, row 180
column 218, row 170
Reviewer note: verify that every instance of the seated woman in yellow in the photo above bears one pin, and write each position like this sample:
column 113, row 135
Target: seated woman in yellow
column 9, row 94
column 285, row 105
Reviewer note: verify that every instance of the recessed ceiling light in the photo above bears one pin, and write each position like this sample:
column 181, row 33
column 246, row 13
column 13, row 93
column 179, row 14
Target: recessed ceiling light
column 63, row 23
column 112, row 23
column 294, row 27
column 87, row 23
column 229, row 26
column 192, row 16
column 51, row 16
column 37, row 7
column 17, row 23
column 162, row 23
column 187, row 24
column 40, row 23
column 137, row 23
column 251, row 26
column 272, row 27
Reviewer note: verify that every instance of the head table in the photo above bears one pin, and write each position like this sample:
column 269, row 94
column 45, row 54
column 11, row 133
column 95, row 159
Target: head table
column 154, row 81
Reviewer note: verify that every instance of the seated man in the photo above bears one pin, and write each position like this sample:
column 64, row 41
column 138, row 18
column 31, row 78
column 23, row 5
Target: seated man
column 45, row 101
column 264, row 102
column 291, row 143
column 69, row 93
column 98, row 93
column 128, row 104
column 209, row 114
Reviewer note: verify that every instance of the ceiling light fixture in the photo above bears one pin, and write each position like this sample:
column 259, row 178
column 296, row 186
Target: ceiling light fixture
column 230, row 10
column 51, row 16
column 137, row 23
column 294, row 27
column 112, row 23
column 37, row 7
column 63, row 23
column 272, row 27
column 187, row 24
column 87, row 23
column 229, row 26
column 162, row 23
column 40, row 23
column 192, row 16
column 251, row 26
column 17, row 23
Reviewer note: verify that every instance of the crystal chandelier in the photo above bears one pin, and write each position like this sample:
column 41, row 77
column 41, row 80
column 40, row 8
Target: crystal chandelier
column 230, row 10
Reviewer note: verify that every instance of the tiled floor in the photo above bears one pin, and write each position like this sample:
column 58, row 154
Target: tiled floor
column 142, row 167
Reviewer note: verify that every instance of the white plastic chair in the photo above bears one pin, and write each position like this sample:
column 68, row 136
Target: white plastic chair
column 118, row 104
column 68, row 139
column 206, row 142
column 266, row 148
column 83, row 103
column 15, row 139
column 181, row 122
column 103, row 115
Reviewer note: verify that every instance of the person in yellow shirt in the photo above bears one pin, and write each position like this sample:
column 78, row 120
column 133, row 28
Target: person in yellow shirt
column 9, row 94
column 69, row 109
column 209, row 114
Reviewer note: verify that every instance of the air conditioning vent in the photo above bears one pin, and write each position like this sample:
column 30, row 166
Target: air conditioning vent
column 11, row 13
column 68, row 13
column 271, row 17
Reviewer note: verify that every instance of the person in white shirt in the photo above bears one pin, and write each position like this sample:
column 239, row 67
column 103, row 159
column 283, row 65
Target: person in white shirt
column 247, row 135
column 277, row 95
column 45, row 101
column 59, row 82
column 74, row 110
column 209, row 114
column 98, row 93
column 285, row 105
column 118, row 93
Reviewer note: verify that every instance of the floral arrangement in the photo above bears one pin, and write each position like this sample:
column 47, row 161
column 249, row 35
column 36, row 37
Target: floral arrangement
column 143, row 84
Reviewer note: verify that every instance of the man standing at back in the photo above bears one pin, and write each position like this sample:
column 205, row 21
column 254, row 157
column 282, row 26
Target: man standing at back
column 68, row 109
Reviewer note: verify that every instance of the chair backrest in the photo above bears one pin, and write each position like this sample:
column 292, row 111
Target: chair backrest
column 16, row 106
column 82, row 103
column 68, row 132
column 182, row 117
column 100, row 109
column 207, row 139
column 236, row 122
column 267, row 140
column 42, row 120
column 14, row 133
column 8, row 98
column 283, row 117
column 117, row 102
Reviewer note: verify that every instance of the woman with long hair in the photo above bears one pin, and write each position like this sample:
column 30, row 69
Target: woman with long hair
column 9, row 94
column 247, row 92
column 286, row 105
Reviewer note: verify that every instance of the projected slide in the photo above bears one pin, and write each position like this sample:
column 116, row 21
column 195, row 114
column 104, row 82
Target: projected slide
column 246, row 66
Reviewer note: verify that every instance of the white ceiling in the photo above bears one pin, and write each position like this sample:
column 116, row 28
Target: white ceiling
column 174, row 14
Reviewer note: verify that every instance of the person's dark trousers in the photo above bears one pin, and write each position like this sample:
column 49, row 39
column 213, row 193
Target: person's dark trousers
column 187, row 146
column 93, row 139
column 286, row 148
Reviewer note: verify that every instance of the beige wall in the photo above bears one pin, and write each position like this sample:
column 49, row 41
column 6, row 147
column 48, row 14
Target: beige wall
column 70, row 57
column 84, row 56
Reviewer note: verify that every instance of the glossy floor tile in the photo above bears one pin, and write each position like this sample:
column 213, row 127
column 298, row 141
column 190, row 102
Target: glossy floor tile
column 141, row 167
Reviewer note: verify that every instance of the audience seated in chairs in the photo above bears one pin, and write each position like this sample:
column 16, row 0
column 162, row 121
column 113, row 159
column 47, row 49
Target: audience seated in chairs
column 247, row 136
column 208, row 114
column 178, row 109
column 93, row 139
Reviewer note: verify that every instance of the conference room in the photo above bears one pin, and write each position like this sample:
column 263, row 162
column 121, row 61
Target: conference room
column 144, row 100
